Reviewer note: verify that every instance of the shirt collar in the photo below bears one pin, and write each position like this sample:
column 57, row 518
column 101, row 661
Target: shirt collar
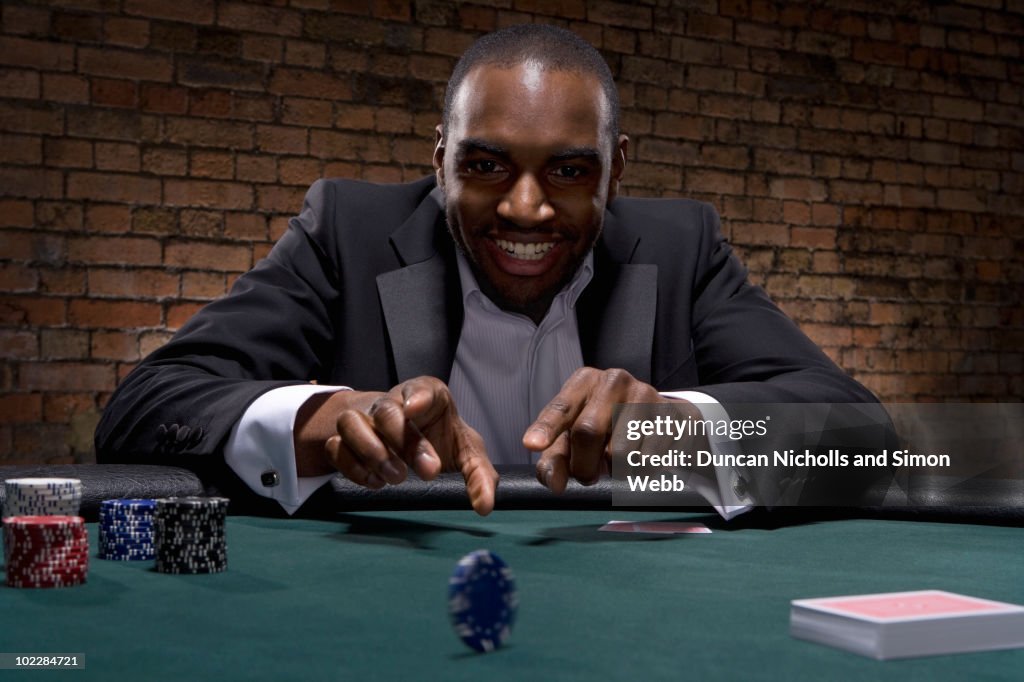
column 571, row 292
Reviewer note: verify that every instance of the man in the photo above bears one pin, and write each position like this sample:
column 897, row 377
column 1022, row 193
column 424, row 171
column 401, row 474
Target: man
column 503, row 307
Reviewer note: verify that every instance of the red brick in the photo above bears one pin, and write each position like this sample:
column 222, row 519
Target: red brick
column 91, row 313
column 20, row 408
column 317, row 85
column 68, row 153
column 36, row 54
column 31, row 183
column 61, row 407
column 208, row 194
column 14, row 213
column 164, row 99
column 113, row 187
column 114, row 250
column 66, row 376
column 58, row 87
column 58, row 215
column 165, row 161
column 299, row 171
column 307, row 112
column 113, row 93
column 202, row 285
column 208, row 256
column 280, row 199
column 281, row 139
column 18, row 345
column 247, row 17
column 180, row 313
column 32, row 310
column 114, row 345
column 117, row 156
column 619, row 14
column 21, row 149
column 62, row 280
column 16, row 277
column 107, row 218
column 189, row 11
column 262, row 48
column 211, row 164
column 129, row 64
column 303, row 53
column 135, row 283
column 253, row 107
column 19, row 83
column 202, row 223
column 25, row 117
column 126, row 32
column 30, row 21
column 253, row 168
column 220, row 134
column 210, row 103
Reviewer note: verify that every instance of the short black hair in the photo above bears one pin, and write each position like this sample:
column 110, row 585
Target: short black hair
column 552, row 47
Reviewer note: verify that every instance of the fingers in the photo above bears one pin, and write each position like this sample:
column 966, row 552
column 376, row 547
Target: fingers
column 559, row 414
column 583, row 411
column 364, row 444
column 480, row 475
column 553, row 465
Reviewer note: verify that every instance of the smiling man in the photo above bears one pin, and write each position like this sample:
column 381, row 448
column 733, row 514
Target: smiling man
column 494, row 313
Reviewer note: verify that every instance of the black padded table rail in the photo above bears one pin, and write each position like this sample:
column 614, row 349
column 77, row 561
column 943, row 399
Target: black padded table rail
column 932, row 498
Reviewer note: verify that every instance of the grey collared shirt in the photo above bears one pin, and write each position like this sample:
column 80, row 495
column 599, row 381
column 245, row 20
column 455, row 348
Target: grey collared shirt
column 507, row 368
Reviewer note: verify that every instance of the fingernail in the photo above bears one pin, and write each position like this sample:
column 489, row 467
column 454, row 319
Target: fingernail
column 374, row 481
column 391, row 473
column 547, row 477
column 424, row 459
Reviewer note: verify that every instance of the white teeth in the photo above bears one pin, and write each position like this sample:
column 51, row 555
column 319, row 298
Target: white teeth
column 531, row 251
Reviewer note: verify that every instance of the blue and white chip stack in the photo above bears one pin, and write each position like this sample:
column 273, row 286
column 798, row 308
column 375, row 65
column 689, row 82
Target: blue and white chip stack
column 482, row 600
column 42, row 496
column 126, row 530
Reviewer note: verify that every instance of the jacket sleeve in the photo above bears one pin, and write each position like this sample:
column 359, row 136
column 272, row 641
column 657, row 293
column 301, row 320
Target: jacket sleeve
column 273, row 329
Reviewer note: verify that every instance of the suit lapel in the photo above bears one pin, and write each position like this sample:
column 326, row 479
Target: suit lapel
column 617, row 311
column 416, row 297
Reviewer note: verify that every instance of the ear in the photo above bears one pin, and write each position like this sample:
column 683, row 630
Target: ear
column 438, row 159
column 618, row 167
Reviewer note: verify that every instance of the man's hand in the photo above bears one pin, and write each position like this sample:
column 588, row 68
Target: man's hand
column 573, row 431
column 374, row 438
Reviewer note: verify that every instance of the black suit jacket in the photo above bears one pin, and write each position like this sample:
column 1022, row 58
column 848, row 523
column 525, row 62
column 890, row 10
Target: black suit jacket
column 363, row 291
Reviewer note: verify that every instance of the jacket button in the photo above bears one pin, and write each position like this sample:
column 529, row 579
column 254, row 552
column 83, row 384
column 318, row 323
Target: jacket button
column 197, row 435
column 183, row 433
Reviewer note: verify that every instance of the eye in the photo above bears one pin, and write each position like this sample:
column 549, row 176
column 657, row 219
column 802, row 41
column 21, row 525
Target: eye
column 484, row 167
column 569, row 172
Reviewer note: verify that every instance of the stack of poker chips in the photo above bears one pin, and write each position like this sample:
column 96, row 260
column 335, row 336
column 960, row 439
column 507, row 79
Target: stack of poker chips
column 42, row 496
column 482, row 600
column 126, row 530
column 189, row 535
column 46, row 551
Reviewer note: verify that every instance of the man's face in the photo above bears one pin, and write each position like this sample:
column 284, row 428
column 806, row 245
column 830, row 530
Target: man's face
column 527, row 168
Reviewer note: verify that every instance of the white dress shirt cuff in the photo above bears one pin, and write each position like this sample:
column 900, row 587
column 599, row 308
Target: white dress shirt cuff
column 723, row 493
column 261, row 448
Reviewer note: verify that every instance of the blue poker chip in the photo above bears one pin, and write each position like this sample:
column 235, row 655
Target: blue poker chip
column 482, row 600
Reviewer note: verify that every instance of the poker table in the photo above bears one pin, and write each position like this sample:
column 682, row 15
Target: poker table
column 362, row 594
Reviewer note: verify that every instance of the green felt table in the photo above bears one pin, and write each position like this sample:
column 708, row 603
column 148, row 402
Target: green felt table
column 364, row 597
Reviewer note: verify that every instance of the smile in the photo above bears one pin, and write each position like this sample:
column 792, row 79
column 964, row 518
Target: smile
column 530, row 251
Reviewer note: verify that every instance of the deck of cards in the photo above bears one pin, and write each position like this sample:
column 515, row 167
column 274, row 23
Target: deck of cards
column 908, row 624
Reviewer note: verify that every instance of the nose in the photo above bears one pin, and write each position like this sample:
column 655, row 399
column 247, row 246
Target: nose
column 526, row 204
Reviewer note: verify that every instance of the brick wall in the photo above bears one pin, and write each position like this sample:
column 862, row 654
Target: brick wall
column 868, row 159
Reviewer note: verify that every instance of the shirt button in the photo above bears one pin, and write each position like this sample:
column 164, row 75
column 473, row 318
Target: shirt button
column 269, row 479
